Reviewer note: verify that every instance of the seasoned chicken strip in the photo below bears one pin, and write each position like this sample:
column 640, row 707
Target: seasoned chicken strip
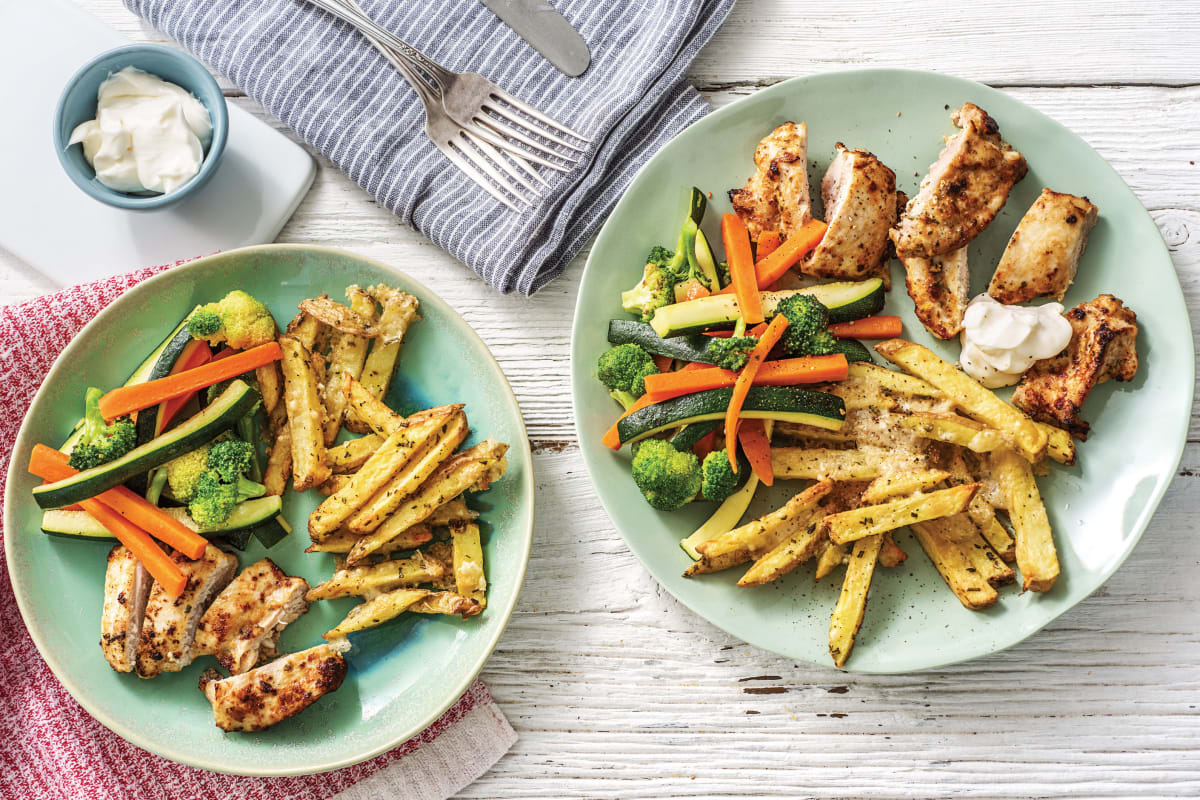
column 1103, row 346
column 776, row 198
column 262, row 697
column 245, row 620
column 859, row 192
column 1043, row 254
column 939, row 287
column 964, row 190
column 169, row 630
column 126, row 588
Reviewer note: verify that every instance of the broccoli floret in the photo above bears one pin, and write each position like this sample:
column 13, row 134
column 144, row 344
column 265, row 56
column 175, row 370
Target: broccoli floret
column 214, row 499
column 184, row 472
column 821, row 343
column 808, row 321
column 732, row 352
column 657, row 286
column 624, row 398
column 101, row 441
column 718, row 478
column 668, row 478
column 625, row 367
column 231, row 459
column 240, row 321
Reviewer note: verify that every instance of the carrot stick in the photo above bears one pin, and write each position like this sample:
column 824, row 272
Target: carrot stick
column 741, row 268
column 611, row 438
column 127, row 399
column 662, row 362
column 745, row 380
column 767, row 243
column 794, row 248
column 49, row 464
column 705, row 446
column 784, row 372
column 195, row 353
column 157, row 563
column 884, row 327
column 696, row 291
column 756, row 446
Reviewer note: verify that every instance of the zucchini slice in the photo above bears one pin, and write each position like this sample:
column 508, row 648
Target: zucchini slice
column 220, row 415
column 846, row 301
column 147, row 419
column 854, row 350
column 786, row 403
column 686, row 439
column 684, row 348
column 249, row 516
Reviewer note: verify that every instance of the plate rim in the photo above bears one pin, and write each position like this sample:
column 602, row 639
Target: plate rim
column 1018, row 632
column 132, row 735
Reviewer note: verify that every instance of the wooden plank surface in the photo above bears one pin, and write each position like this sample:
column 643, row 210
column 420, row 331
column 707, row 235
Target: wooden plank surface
column 618, row 691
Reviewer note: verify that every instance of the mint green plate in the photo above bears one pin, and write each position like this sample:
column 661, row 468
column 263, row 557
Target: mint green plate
column 1098, row 508
column 403, row 674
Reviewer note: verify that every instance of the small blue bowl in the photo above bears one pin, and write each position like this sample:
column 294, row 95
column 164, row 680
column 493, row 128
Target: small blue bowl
column 78, row 105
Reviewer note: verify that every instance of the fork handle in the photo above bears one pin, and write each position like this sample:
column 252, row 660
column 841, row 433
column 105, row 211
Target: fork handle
column 351, row 13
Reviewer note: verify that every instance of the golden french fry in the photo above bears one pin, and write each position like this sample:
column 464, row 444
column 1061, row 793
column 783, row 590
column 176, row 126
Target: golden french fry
column 831, row 558
column 454, row 511
column 1059, row 444
column 437, row 448
column 350, row 455
column 376, row 611
column 467, row 554
column 755, row 538
column 857, row 523
column 339, row 317
column 270, row 385
column 399, row 311
column 1036, row 556
column 393, row 455
column 899, row 484
column 306, row 330
column 334, row 484
column 347, row 353
column 891, row 380
column 448, row 603
column 279, row 454
column 967, row 394
column 839, row 465
column 367, row 580
column 458, row 474
column 801, row 545
column 305, row 414
column 343, row 541
column 954, row 564
column 956, row 430
column 962, row 530
column 851, row 606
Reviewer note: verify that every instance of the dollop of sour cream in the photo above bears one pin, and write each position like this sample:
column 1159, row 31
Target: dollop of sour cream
column 149, row 135
column 1000, row 342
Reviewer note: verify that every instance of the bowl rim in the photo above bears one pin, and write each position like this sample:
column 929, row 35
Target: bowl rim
column 218, row 113
column 132, row 735
column 1019, row 632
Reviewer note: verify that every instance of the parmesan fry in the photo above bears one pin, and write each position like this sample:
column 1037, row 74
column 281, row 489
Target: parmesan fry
column 391, row 457
column 831, row 558
column 339, row 317
column 858, row 523
column 334, row 484
column 367, row 580
column 839, row 465
column 270, row 386
column 801, row 545
column 343, row 541
column 399, row 311
column 467, row 554
column 852, row 603
column 972, row 588
column 899, row 484
column 967, row 395
column 305, row 415
column 459, row 473
column 279, row 453
column 349, row 456
column 347, row 353
column 956, row 430
column 448, row 603
column 376, row 611
column 306, row 330
column 1036, row 557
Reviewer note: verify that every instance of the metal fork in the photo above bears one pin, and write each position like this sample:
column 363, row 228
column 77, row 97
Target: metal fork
column 471, row 120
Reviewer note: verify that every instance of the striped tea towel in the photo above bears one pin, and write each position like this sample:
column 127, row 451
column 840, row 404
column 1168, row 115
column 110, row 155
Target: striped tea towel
column 57, row 752
column 329, row 85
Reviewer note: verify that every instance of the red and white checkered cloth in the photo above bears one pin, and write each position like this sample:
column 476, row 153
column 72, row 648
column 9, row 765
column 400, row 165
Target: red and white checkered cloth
column 55, row 751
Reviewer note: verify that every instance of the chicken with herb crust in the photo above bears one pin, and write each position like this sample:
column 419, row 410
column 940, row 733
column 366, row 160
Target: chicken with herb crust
column 776, row 197
column 1044, row 251
column 126, row 589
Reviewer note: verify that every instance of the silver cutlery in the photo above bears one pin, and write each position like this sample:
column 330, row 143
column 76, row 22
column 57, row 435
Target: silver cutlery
column 491, row 136
column 546, row 30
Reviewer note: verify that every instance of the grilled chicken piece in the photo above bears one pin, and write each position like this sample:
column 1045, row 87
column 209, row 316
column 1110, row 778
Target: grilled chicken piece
column 776, row 198
column 1103, row 346
column 859, row 192
column 1043, row 253
column 939, row 287
column 963, row 191
column 126, row 588
column 169, row 630
column 262, row 697
column 244, row 622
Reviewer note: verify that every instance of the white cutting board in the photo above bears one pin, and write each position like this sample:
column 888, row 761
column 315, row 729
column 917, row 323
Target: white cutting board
column 54, row 227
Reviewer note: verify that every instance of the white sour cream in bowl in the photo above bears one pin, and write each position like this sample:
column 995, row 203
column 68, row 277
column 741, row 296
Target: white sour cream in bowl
column 149, row 135
column 1000, row 342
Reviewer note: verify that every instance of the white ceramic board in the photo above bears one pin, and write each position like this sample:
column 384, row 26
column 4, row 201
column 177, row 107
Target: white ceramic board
column 46, row 221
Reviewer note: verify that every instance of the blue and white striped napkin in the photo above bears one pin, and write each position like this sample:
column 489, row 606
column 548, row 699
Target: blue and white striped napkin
column 329, row 85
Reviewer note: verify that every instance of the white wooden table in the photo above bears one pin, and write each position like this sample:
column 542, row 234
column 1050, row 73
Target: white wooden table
column 618, row 691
